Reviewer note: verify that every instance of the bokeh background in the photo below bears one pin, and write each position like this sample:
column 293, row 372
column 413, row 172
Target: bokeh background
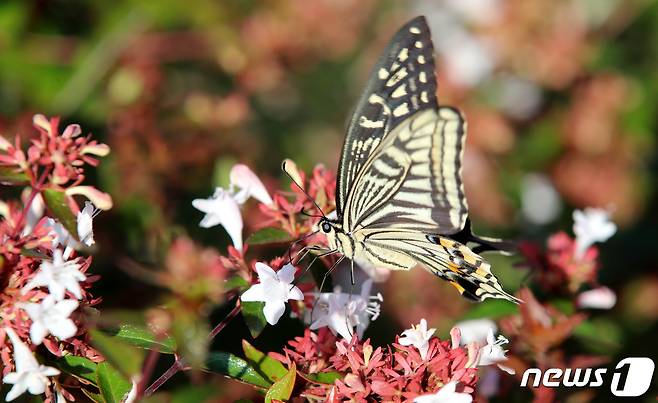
column 560, row 97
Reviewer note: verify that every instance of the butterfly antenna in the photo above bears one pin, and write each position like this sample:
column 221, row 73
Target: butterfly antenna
column 292, row 178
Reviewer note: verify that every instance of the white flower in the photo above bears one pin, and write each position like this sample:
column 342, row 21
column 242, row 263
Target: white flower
column 275, row 289
column 342, row 312
column 131, row 396
column 590, row 226
column 419, row 337
column 540, row 202
column 84, row 226
column 598, row 298
column 28, row 374
column 475, row 330
column 446, row 394
column 51, row 317
column 250, row 186
column 481, row 333
column 59, row 275
column 493, row 353
column 223, row 207
column 34, row 214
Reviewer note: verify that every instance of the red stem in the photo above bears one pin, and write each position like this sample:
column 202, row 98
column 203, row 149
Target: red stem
column 227, row 319
column 149, row 366
column 179, row 364
column 173, row 370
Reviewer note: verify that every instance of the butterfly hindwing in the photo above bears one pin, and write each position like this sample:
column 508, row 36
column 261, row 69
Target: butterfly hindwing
column 468, row 272
column 401, row 84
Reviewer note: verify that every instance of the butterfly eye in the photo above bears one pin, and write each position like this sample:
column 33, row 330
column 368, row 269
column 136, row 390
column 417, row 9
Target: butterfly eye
column 326, row 227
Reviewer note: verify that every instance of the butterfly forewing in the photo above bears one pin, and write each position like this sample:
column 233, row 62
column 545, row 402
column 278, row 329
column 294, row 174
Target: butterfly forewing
column 413, row 180
column 401, row 84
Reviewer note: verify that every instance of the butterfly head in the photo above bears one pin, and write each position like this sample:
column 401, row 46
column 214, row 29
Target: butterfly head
column 327, row 226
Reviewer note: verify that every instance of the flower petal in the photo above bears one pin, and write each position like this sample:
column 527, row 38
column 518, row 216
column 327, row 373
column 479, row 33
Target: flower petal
column 17, row 390
column 273, row 311
column 255, row 293
column 265, row 272
column 100, row 199
column 245, row 179
column 63, row 329
column 286, row 274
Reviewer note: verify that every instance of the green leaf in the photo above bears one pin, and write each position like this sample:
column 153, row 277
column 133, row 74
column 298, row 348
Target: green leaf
column 10, row 176
column 327, row 378
column 282, row 389
column 35, row 254
column 267, row 236
column 112, row 384
column 143, row 338
column 195, row 393
column 57, row 204
column 492, row 309
column 601, row 336
column 80, row 367
column 125, row 357
column 236, row 282
column 266, row 365
column 252, row 312
column 235, row 367
column 94, row 397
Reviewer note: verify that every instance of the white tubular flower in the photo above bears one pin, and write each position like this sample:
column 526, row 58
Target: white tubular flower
column 34, row 214
column 59, row 276
column 250, row 186
column 493, row 353
column 598, row 298
column 480, row 332
column 342, row 312
column 475, row 330
column 419, row 337
column 275, row 289
column 28, row 374
column 51, row 317
column 590, row 226
column 84, row 226
column 223, row 207
column 446, row 394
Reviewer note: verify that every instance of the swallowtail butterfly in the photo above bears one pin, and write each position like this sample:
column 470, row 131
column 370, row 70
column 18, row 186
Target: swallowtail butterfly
column 399, row 195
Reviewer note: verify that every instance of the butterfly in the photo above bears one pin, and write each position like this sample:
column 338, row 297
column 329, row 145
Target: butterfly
column 400, row 198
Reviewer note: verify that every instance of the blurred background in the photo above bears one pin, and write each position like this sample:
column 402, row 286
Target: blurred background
column 560, row 98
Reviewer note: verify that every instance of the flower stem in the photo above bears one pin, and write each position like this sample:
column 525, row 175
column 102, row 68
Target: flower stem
column 173, row 370
column 179, row 363
column 227, row 319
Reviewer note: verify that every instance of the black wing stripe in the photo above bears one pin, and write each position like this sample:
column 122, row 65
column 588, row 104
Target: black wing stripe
column 401, row 84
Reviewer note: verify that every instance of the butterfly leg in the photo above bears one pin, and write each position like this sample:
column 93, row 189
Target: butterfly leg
column 316, row 257
column 324, row 278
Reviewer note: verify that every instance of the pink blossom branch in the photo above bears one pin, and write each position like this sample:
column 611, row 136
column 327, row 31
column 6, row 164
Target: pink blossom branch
column 179, row 363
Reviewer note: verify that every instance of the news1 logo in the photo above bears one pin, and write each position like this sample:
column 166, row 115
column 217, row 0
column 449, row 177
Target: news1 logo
column 630, row 378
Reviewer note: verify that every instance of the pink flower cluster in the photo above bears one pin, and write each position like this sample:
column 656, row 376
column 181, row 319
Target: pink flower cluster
column 365, row 373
